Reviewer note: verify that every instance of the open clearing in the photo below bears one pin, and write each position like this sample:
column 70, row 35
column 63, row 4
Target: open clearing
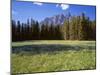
column 52, row 55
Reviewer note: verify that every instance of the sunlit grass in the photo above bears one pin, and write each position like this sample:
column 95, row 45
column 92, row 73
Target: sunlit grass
column 32, row 42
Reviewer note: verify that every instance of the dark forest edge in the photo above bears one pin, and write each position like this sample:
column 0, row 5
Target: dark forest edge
column 73, row 28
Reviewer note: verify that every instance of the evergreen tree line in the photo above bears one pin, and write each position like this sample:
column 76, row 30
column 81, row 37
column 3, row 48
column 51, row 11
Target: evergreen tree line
column 73, row 28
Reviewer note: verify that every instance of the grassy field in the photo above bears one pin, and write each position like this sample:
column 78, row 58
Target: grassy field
column 47, row 56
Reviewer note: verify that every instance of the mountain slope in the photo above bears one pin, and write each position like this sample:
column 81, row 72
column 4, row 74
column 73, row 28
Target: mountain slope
column 55, row 20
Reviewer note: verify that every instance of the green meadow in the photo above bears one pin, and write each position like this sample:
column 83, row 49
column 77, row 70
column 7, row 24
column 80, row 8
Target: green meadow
column 52, row 55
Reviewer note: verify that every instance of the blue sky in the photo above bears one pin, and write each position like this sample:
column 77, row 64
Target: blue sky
column 39, row 11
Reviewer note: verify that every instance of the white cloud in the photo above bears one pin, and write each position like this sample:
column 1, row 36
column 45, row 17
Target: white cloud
column 14, row 12
column 38, row 3
column 63, row 6
column 57, row 5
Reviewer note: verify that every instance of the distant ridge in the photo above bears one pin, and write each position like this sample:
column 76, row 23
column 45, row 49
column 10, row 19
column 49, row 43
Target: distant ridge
column 55, row 20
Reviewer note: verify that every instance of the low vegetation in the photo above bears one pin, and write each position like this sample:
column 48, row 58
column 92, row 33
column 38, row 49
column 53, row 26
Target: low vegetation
column 48, row 56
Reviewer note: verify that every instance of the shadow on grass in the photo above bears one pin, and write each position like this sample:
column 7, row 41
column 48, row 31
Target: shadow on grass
column 44, row 48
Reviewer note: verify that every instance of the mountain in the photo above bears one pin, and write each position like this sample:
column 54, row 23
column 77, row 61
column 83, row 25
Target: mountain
column 55, row 20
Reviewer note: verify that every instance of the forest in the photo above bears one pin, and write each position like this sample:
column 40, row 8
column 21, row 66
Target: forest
column 74, row 28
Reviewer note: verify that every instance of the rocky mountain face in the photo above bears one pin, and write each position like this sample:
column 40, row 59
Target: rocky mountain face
column 55, row 20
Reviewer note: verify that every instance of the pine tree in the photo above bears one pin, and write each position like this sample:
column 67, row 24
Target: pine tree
column 13, row 30
column 73, row 28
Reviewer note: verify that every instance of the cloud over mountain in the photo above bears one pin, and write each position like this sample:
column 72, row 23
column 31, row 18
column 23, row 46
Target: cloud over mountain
column 63, row 6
